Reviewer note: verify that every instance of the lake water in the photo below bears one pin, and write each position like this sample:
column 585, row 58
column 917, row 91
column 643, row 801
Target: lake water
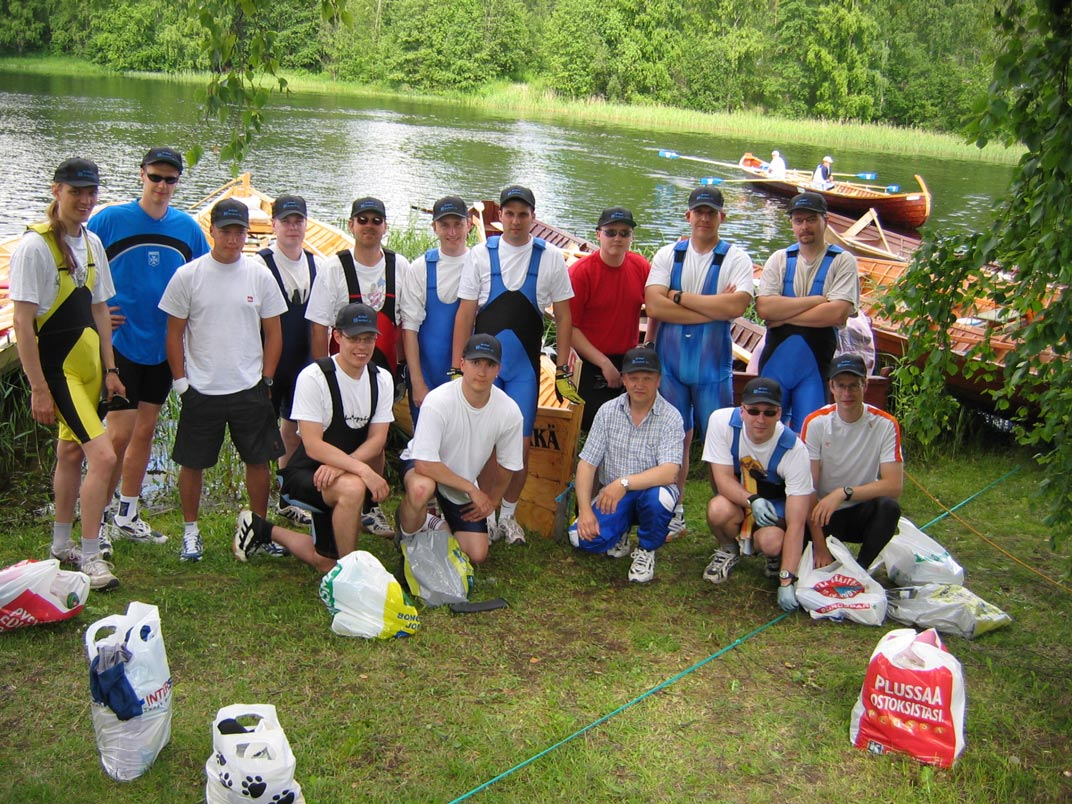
column 332, row 149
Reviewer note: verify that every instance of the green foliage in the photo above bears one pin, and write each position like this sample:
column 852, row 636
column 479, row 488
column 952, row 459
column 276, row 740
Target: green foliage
column 22, row 26
column 439, row 46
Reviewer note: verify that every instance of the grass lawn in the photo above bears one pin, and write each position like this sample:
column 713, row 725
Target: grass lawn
column 469, row 697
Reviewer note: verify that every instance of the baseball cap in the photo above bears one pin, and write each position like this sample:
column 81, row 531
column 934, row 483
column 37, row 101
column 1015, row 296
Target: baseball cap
column 357, row 319
column 77, row 173
column 289, row 205
column 706, row 197
column 169, row 156
column 848, row 363
column 449, row 205
column 809, row 202
column 641, row 358
column 616, row 215
column 762, row 389
column 230, row 212
column 483, row 346
column 515, row 192
column 363, row 206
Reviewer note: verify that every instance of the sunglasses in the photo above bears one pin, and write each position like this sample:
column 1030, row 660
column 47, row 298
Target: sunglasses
column 156, row 178
column 375, row 220
column 770, row 413
column 617, row 232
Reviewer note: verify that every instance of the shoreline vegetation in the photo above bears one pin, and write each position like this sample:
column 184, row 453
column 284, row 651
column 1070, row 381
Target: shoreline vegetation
column 536, row 101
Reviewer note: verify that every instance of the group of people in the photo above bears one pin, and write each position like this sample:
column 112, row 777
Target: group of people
column 298, row 358
column 822, row 178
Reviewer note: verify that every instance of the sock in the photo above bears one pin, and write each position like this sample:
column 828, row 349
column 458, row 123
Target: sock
column 128, row 509
column 190, row 529
column 507, row 509
column 90, row 547
column 61, row 535
column 262, row 528
column 405, row 532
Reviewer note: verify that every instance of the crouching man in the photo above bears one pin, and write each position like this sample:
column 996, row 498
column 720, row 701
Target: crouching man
column 761, row 472
column 635, row 445
column 342, row 405
column 461, row 425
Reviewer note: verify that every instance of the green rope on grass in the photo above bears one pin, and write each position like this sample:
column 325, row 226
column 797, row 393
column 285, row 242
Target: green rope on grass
column 987, row 487
column 623, row 707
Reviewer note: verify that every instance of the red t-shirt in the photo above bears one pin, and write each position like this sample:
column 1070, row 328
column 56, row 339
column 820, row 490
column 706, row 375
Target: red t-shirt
column 606, row 301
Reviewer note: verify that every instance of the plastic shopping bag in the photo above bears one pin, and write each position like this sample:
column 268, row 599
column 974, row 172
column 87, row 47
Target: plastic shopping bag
column 912, row 557
column 912, row 700
column 130, row 685
column 366, row 599
column 36, row 592
column 437, row 570
column 841, row 591
column 251, row 758
column 950, row 608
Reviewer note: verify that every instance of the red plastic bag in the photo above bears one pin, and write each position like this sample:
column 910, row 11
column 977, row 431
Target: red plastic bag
column 35, row 592
column 912, row 700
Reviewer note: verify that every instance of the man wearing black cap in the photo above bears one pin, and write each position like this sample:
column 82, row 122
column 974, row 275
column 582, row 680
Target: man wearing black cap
column 763, row 487
column 633, row 445
column 343, row 407
column 857, row 466
column 806, row 292
column 504, row 291
column 147, row 240
column 430, row 301
column 696, row 288
column 461, row 425
column 608, row 294
column 217, row 306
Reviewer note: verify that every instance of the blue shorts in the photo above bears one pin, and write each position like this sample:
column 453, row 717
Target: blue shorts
column 452, row 511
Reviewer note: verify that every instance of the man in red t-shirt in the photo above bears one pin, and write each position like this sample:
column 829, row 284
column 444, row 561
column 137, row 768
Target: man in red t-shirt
column 608, row 289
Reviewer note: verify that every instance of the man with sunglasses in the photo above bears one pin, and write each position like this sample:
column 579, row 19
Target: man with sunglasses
column 763, row 484
column 147, row 240
column 608, row 294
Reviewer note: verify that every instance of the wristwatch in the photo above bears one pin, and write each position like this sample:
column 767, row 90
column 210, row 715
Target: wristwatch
column 677, row 297
column 848, row 492
column 786, row 575
column 625, row 482
column 268, row 381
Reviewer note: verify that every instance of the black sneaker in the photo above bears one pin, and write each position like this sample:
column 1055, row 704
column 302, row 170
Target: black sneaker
column 249, row 535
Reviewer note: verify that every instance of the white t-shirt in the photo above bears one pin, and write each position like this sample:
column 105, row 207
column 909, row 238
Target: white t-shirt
column 849, row 453
column 552, row 281
column 312, row 397
column 329, row 293
column 842, row 280
column 415, row 286
column 794, row 468
column 736, row 269
column 452, row 432
column 294, row 273
column 223, row 304
column 35, row 278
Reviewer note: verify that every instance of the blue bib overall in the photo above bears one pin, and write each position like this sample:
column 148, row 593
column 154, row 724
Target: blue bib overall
column 435, row 335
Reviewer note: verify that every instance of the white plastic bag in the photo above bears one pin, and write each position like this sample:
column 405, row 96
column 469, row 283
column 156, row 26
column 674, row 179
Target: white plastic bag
column 129, row 746
column 857, row 337
column 251, row 761
column 841, row 591
column 950, row 608
column 912, row 700
column 437, row 570
column 36, row 592
column 912, row 558
column 366, row 599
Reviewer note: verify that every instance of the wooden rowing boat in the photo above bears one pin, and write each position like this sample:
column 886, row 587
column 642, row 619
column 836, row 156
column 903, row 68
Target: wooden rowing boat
column 867, row 237
column 907, row 210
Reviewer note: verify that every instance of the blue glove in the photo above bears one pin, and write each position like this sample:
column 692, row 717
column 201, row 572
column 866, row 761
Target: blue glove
column 763, row 511
column 787, row 598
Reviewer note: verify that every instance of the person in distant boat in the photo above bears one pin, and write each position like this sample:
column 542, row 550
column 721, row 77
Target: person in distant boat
column 823, row 178
column 777, row 166
column 60, row 285
column 147, row 240
column 806, row 292
column 608, row 295
column 695, row 289
column 857, row 466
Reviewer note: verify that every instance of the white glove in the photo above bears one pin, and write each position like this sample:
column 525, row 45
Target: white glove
column 787, row 598
column 763, row 511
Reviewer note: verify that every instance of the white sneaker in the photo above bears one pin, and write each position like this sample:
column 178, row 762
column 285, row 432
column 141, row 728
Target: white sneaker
column 375, row 522
column 70, row 554
column 677, row 525
column 299, row 516
column 718, row 571
column 99, row 572
column 621, row 549
column 136, row 530
column 643, row 567
column 104, row 535
column 494, row 534
column 192, row 547
column 511, row 531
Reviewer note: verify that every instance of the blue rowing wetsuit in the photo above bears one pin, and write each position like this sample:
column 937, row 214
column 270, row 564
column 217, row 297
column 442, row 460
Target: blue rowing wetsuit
column 798, row 357
column 514, row 317
column 437, row 330
column 697, row 359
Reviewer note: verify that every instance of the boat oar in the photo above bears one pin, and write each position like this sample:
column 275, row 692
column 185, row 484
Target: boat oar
column 709, row 180
column 869, row 176
column 665, row 154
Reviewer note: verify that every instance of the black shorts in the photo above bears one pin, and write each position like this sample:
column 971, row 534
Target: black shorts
column 144, row 383
column 297, row 486
column 204, row 419
column 452, row 511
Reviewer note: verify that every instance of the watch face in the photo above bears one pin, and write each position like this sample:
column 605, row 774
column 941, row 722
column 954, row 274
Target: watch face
column 785, row 575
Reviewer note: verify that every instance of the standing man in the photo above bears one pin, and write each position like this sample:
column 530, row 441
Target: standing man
column 823, row 178
column 633, row 445
column 805, row 293
column 218, row 305
column 696, row 288
column 370, row 275
column 507, row 285
column 857, row 466
column 147, row 241
column 608, row 294
column 461, row 426
column 760, row 472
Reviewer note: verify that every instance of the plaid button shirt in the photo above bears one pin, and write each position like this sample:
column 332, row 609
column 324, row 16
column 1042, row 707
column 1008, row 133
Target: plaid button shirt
column 620, row 448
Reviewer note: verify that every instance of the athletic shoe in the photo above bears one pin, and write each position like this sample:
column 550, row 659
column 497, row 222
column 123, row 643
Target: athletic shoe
column 275, row 550
column 511, row 531
column 677, row 525
column 105, row 541
column 721, row 563
column 494, row 534
column 192, row 547
column 99, row 572
column 299, row 516
column 375, row 522
column 252, row 534
column 136, row 530
column 621, row 549
column 643, row 567
column 774, row 566
column 70, row 554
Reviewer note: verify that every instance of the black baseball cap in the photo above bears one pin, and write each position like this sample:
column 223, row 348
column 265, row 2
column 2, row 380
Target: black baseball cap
column 169, row 156
column 809, row 202
column 515, row 192
column 616, row 215
column 706, row 197
column 77, row 173
column 848, row 363
column 230, row 212
column 483, row 347
column 762, row 389
column 641, row 358
column 366, row 205
column 449, row 205
column 289, row 205
column 357, row 319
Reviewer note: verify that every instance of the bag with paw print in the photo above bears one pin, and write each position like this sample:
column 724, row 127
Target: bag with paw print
column 251, row 758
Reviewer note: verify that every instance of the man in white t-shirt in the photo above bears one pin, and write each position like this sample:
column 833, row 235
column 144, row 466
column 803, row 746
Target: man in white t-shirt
column 343, row 408
column 777, row 166
column 762, row 477
column 218, row 306
column 462, row 423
